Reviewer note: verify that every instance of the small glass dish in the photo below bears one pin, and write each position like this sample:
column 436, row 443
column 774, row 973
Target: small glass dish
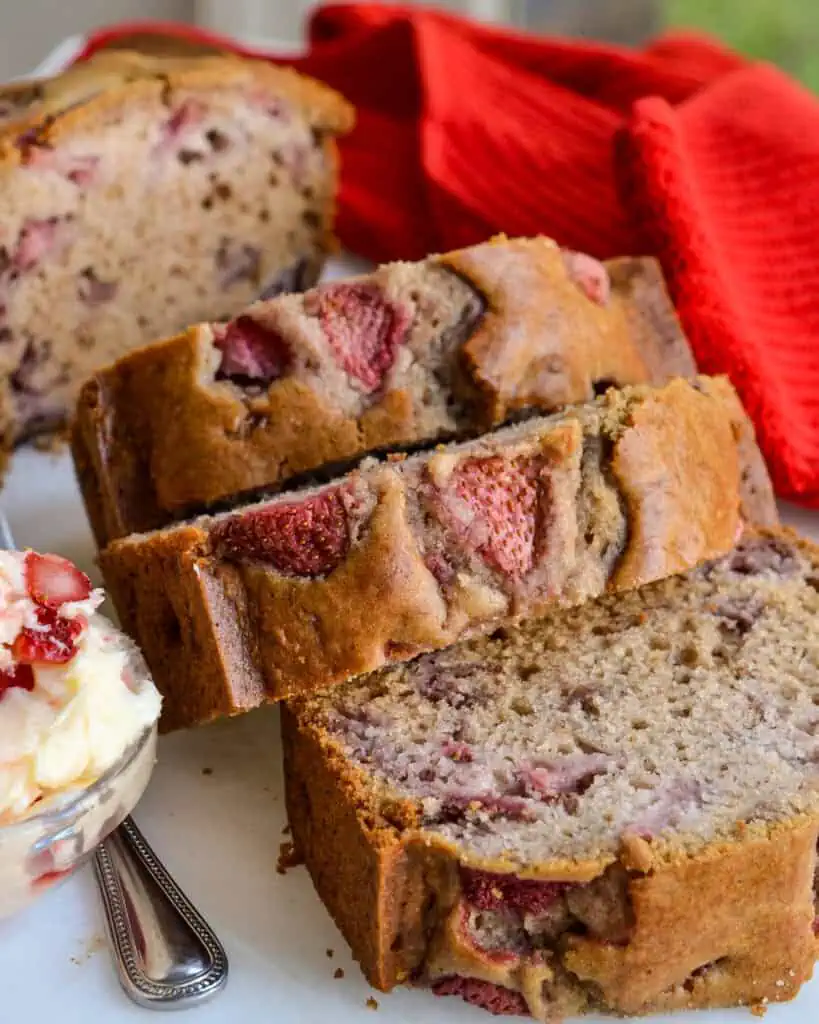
column 46, row 847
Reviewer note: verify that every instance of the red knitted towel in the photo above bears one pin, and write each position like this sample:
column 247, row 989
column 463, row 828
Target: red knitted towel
column 465, row 130
column 726, row 191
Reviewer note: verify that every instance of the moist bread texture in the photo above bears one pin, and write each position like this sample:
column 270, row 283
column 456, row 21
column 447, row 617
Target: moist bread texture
column 609, row 809
column 409, row 554
column 414, row 352
column 140, row 194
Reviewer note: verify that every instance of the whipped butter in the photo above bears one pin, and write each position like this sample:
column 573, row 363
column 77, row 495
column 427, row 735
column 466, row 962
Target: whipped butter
column 74, row 695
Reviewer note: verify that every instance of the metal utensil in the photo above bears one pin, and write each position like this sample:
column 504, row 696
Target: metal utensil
column 166, row 954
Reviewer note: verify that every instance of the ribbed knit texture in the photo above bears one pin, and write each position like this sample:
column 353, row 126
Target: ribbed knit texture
column 726, row 191
column 682, row 149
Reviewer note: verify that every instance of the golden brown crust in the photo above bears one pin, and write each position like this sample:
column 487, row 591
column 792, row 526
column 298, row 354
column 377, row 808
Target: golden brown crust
column 670, row 513
column 580, row 343
column 541, row 343
column 743, row 908
column 354, row 857
column 381, row 602
column 85, row 93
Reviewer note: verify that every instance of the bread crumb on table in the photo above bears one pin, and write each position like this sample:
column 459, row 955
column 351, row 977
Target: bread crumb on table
column 288, row 858
column 338, row 973
column 372, row 1004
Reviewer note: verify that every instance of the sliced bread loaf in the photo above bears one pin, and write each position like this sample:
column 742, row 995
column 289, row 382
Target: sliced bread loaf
column 407, row 555
column 413, row 352
column 139, row 194
column 613, row 808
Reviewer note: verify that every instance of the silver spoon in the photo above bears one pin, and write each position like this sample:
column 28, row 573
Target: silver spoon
column 167, row 956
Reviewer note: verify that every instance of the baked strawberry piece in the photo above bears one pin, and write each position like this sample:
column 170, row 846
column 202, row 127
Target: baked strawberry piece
column 610, row 809
column 408, row 554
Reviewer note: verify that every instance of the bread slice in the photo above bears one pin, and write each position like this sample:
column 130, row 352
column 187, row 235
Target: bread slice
column 407, row 555
column 426, row 351
column 138, row 194
column 613, row 808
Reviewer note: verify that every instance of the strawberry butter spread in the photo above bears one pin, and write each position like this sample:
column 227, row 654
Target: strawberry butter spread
column 73, row 693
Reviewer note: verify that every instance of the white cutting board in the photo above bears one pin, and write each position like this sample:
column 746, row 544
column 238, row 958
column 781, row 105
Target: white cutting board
column 214, row 812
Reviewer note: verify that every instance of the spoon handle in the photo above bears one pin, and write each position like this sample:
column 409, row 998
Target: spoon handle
column 166, row 954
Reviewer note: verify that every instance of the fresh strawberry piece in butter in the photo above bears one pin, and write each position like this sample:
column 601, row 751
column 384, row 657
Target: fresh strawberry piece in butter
column 53, row 581
column 51, row 641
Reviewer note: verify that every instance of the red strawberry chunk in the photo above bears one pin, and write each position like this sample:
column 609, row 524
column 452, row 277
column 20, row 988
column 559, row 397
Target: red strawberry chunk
column 52, row 581
column 37, row 239
column 81, row 170
column 486, row 890
column 77, row 168
column 21, row 676
column 53, row 642
column 457, row 751
column 500, row 1001
column 299, row 538
column 188, row 115
column 571, row 774
column 589, row 274
column 363, row 329
column 251, row 353
column 491, row 506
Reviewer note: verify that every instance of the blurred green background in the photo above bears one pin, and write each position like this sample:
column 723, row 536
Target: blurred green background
column 785, row 32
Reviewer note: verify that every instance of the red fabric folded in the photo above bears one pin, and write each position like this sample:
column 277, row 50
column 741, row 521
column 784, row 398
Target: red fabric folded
column 682, row 149
column 725, row 190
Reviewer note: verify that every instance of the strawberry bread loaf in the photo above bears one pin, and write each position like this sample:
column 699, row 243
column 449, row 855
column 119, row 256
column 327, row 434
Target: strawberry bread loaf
column 444, row 348
column 140, row 194
column 612, row 809
column 406, row 555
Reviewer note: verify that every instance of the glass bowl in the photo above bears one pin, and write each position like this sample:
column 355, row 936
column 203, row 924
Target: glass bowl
column 46, row 847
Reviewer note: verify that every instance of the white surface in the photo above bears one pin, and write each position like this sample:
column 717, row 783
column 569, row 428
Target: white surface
column 219, row 834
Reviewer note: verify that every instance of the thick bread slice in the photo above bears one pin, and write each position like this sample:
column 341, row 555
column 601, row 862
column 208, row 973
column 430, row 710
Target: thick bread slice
column 407, row 555
column 414, row 352
column 612, row 808
column 138, row 194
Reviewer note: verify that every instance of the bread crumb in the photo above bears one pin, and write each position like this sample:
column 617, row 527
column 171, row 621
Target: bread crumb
column 288, row 858
column 371, row 1004
column 207, row 771
column 636, row 852
column 93, row 946
column 54, row 443
column 759, row 1009
column 338, row 973
column 330, row 953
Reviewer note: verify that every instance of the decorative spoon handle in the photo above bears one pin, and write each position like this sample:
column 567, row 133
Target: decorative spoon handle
column 166, row 954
